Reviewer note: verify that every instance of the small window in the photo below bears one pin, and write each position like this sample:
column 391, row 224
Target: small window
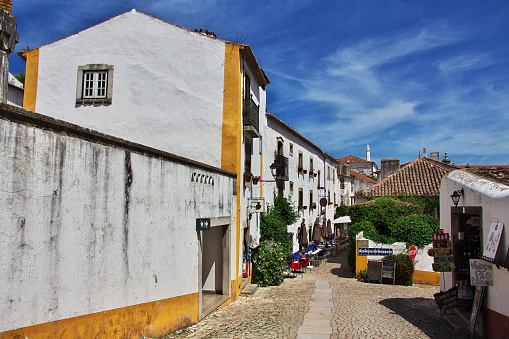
column 301, row 198
column 328, row 172
column 291, row 187
column 301, row 162
column 311, row 206
column 291, row 149
column 310, row 165
column 95, row 84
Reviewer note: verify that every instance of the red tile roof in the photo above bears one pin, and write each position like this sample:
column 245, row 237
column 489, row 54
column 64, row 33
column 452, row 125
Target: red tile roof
column 362, row 176
column 418, row 177
column 352, row 159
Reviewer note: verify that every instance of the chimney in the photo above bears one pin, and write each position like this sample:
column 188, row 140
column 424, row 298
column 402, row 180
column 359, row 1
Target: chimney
column 435, row 156
column 424, row 153
column 389, row 167
column 368, row 153
column 9, row 39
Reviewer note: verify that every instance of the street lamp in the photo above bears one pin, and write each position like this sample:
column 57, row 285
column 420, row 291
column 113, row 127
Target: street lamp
column 456, row 196
column 273, row 168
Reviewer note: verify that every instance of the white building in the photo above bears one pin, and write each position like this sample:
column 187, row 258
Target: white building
column 307, row 175
column 15, row 91
column 483, row 201
column 164, row 88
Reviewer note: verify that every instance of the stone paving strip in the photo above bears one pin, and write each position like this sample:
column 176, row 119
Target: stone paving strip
column 317, row 321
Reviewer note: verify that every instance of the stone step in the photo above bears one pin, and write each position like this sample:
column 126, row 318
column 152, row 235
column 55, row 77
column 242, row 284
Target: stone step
column 249, row 289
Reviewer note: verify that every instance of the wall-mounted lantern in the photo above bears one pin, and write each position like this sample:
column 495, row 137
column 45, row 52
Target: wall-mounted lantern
column 456, row 196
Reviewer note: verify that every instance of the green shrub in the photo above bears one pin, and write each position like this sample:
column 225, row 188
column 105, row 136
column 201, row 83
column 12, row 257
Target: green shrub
column 415, row 229
column 342, row 211
column 382, row 213
column 270, row 260
column 404, row 268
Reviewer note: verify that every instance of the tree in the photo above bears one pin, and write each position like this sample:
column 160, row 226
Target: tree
column 20, row 77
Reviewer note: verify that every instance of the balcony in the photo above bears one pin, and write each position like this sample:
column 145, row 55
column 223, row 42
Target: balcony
column 282, row 170
column 251, row 117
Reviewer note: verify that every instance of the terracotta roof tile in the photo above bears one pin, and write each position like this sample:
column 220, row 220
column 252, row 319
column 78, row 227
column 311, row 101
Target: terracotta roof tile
column 352, row 159
column 362, row 176
column 418, row 177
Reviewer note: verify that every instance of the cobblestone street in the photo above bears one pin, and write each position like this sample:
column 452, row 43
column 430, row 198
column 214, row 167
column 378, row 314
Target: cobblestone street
column 329, row 298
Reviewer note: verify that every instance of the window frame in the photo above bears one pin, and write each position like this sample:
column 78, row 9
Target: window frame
column 81, row 99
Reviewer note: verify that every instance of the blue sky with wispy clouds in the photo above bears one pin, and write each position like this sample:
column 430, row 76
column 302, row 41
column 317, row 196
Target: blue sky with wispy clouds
column 397, row 75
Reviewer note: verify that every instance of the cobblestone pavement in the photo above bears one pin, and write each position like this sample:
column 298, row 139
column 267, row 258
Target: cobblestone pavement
column 360, row 310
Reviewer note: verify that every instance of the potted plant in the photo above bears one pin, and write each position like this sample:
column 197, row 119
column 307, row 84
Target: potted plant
column 255, row 179
column 313, row 206
column 247, row 176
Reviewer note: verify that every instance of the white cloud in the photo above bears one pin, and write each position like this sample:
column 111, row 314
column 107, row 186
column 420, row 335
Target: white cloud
column 462, row 63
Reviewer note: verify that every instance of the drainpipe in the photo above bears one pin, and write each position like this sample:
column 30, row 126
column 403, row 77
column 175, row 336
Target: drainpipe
column 8, row 40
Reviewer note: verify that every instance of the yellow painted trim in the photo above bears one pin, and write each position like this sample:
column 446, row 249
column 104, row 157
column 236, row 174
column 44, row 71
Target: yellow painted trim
column 426, row 277
column 231, row 150
column 31, row 76
column 361, row 261
column 153, row 319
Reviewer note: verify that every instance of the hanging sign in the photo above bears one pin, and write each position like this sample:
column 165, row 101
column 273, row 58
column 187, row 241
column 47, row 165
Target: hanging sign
column 490, row 250
column 481, row 273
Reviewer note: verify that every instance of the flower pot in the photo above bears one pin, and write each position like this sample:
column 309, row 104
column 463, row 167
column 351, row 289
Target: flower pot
column 255, row 181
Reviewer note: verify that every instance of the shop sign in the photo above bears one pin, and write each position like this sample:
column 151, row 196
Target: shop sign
column 479, row 293
column 374, row 251
column 203, row 224
column 490, row 250
column 447, row 299
column 443, row 264
column 442, row 252
column 389, row 270
column 481, row 273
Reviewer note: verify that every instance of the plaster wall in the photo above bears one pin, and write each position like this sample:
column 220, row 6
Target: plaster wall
column 494, row 200
column 88, row 227
column 167, row 84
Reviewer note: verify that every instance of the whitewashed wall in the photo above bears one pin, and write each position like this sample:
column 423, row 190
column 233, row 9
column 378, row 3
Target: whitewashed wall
column 167, row 84
column 81, row 235
column 273, row 130
column 422, row 262
column 494, row 200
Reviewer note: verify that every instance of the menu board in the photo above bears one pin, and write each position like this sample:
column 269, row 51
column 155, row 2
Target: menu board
column 490, row 250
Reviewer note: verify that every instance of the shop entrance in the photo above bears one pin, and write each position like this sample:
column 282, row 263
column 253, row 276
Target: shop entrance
column 466, row 228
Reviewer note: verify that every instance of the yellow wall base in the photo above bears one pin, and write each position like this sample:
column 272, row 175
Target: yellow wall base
column 429, row 278
column 152, row 319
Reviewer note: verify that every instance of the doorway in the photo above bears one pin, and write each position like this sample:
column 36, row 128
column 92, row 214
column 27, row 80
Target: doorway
column 214, row 267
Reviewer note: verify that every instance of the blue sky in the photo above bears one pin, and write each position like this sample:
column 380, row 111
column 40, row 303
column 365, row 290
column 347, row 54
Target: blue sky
column 397, row 75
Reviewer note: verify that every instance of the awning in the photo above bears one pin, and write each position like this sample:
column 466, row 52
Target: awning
column 342, row 220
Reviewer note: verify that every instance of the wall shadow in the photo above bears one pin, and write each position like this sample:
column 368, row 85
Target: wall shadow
column 423, row 313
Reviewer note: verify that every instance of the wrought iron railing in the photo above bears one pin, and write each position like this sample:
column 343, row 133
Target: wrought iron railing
column 251, row 113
